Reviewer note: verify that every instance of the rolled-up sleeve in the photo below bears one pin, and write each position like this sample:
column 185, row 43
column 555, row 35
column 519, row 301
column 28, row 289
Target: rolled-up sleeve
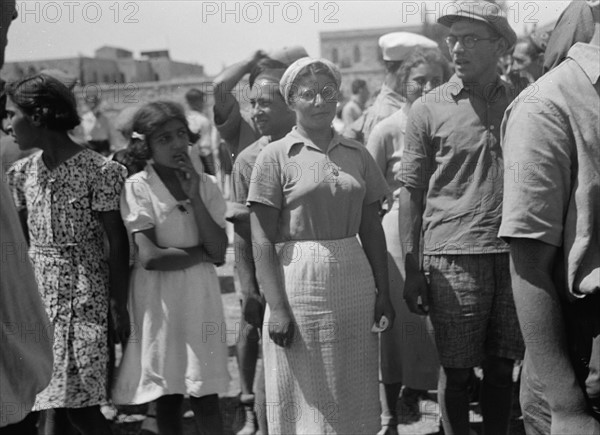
column 418, row 157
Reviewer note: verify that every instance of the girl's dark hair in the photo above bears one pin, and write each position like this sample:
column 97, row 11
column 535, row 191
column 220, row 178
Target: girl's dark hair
column 127, row 159
column 47, row 98
column 431, row 56
column 147, row 120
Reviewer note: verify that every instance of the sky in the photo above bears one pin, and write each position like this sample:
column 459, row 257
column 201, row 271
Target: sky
column 218, row 33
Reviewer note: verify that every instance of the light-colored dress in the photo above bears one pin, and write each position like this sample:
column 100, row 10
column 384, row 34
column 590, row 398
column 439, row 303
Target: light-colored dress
column 67, row 250
column 408, row 353
column 178, row 340
column 326, row 381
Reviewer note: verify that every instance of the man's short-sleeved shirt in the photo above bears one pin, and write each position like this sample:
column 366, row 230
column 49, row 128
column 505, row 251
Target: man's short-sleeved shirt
column 552, row 181
column 452, row 152
column 243, row 167
column 320, row 195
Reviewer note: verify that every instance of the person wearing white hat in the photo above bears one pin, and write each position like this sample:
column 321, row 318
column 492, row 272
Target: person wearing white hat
column 395, row 47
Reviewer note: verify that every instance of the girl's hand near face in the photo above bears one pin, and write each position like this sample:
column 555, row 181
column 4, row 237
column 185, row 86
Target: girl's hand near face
column 188, row 177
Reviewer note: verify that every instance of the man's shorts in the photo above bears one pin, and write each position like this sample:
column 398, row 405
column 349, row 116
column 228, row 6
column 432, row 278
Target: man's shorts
column 472, row 308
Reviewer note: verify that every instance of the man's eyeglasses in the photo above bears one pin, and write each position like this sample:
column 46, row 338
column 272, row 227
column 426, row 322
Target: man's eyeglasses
column 466, row 41
column 328, row 93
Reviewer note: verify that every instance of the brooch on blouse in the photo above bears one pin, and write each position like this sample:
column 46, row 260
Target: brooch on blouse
column 181, row 207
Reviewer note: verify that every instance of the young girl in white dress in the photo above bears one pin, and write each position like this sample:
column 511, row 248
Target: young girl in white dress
column 176, row 218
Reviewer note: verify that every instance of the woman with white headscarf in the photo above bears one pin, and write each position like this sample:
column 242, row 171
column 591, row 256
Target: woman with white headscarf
column 311, row 194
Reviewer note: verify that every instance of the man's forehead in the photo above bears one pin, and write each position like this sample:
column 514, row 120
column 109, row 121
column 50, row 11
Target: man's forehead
column 264, row 87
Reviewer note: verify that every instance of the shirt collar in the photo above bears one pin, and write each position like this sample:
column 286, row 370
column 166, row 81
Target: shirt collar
column 587, row 57
column 458, row 85
column 167, row 200
column 387, row 92
column 295, row 138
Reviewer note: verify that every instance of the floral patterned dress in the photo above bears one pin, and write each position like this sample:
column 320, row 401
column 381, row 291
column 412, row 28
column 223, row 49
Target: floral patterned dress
column 67, row 250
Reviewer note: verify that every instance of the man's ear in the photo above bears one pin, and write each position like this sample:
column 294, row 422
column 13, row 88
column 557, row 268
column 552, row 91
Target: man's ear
column 503, row 48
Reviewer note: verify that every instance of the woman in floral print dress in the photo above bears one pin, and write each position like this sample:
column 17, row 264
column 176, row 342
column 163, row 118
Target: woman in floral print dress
column 68, row 198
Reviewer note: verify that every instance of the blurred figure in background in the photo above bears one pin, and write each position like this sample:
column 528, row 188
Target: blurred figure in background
column 201, row 131
column 395, row 48
column 95, row 128
column 408, row 354
column 356, row 105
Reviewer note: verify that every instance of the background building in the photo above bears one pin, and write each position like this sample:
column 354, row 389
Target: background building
column 112, row 65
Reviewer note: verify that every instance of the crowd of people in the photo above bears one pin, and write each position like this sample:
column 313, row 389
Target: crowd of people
column 433, row 240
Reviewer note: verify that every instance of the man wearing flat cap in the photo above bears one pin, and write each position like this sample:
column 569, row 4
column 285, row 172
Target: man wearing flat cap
column 452, row 172
column 395, row 47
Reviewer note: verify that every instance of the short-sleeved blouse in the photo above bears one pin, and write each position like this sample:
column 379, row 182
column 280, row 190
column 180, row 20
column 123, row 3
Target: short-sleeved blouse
column 147, row 203
column 63, row 202
column 320, row 195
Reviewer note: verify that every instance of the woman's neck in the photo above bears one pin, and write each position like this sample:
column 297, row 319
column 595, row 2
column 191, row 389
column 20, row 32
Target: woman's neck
column 320, row 137
column 57, row 147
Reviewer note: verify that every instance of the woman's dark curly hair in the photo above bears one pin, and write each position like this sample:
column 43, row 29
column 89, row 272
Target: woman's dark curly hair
column 147, row 120
column 47, row 98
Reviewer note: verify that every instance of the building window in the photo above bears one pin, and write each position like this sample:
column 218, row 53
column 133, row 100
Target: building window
column 334, row 55
column 356, row 54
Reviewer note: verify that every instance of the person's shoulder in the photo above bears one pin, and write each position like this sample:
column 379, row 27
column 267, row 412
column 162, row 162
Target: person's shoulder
column 253, row 149
column 24, row 164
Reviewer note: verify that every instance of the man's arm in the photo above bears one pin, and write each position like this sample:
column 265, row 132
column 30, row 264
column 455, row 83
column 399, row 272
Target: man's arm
column 541, row 319
column 410, row 221
column 225, row 102
column 414, row 175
